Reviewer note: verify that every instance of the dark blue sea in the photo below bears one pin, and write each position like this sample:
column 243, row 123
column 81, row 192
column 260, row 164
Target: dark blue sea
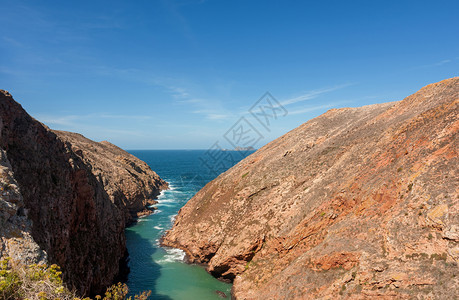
column 162, row 270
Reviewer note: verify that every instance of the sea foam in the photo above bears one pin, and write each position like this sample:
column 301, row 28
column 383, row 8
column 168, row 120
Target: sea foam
column 173, row 255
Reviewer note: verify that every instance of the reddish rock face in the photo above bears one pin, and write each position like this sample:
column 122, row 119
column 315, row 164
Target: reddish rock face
column 358, row 203
column 71, row 191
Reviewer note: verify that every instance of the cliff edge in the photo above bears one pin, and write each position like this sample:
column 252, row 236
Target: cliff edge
column 358, row 202
column 66, row 199
column 130, row 183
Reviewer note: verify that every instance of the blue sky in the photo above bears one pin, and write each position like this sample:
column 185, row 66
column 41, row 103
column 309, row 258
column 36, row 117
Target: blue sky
column 179, row 74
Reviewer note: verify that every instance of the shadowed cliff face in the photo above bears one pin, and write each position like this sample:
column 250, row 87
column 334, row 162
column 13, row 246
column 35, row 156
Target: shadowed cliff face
column 15, row 237
column 73, row 199
column 358, row 202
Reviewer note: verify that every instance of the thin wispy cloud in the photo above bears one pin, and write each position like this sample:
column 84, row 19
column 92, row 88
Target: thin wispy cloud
column 171, row 85
column 309, row 109
column 210, row 109
column 211, row 114
column 12, row 42
column 60, row 121
column 121, row 132
column 313, row 94
column 178, row 92
column 182, row 91
column 217, row 116
column 115, row 116
column 191, row 101
column 213, row 111
column 109, row 21
column 94, row 126
column 443, row 62
column 28, row 14
column 180, row 20
column 75, row 120
column 11, row 72
column 437, row 64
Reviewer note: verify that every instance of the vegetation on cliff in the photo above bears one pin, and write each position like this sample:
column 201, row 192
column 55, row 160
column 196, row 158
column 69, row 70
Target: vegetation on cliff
column 43, row 282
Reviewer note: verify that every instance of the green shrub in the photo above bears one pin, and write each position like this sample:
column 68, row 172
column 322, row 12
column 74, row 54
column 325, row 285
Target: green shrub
column 9, row 280
column 42, row 282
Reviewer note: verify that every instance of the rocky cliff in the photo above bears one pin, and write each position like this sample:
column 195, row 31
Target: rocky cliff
column 15, row 228
column 66, row 199
column 356, row 203
column 129, row 182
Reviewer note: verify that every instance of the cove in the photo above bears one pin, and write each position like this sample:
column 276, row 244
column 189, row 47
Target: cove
column 163, row 270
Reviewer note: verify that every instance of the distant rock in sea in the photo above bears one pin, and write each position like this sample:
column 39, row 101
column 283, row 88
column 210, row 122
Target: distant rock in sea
column 358, row 203
column 244, row 148
column 65, row 199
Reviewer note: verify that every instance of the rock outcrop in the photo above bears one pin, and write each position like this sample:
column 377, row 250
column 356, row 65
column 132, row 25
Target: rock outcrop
column 70, row 196
column 130, row 183
column 358, row 203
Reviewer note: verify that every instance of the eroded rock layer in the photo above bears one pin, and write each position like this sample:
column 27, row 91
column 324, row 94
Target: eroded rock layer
column 69, row 195
column 358, row 202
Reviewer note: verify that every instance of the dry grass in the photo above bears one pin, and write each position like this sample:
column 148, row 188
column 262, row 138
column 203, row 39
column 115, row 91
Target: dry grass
column 42, row 282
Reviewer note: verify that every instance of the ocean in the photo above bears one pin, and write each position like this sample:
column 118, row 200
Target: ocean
column 162, row 270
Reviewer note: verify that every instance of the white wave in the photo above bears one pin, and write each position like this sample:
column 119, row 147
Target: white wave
column 173, row 255
column 158, row 227
column 164, row 205
column 142, row 219
column 177, row 192
column 171, row 194
column 167, row 200
column 172, row 218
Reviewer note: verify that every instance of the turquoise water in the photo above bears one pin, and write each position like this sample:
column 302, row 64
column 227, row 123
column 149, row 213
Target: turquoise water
column 159, row 269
